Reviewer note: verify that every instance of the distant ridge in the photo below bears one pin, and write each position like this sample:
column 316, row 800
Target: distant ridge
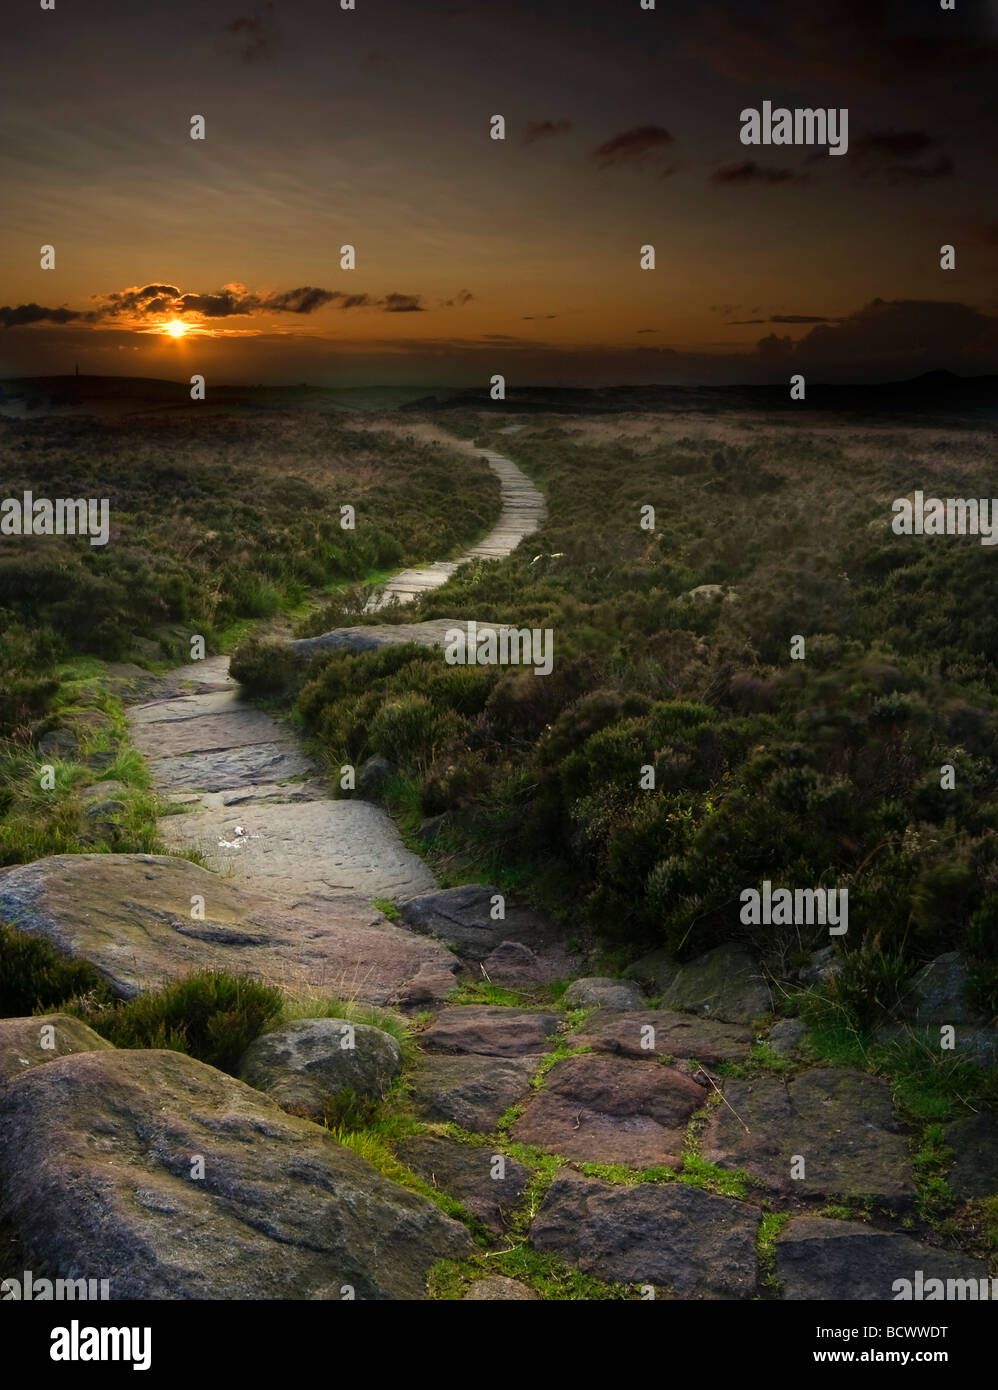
column 933, row 391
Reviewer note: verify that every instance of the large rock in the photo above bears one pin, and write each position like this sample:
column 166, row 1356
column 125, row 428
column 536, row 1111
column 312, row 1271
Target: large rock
column 725, row 983
column 228, row 768
column 828, row 1261
column 465, row 1172
column 976, row 1044
column 60, row 744
column 974, row 1140
column 373, row 776
column 785, row 1037
column 96, row 1161
column 840, row 1122
column 377, row 636
column 130, row 916
column 493, row 1032
column 314, row 846
column 28, row 1042
column 601, row 1109
column 599, row 992
column 240, row 726
column 302, row 1064
column 516, row 965
column 680, row 1239
column 471, row 1091
column 657, row 970
column 938, row 993
column 462, row 917
column 663, row 1033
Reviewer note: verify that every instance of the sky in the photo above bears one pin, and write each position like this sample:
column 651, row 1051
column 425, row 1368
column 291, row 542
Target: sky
column 370, row 127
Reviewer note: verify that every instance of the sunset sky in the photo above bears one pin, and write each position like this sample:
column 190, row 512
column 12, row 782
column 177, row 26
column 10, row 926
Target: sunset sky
column 474, row 256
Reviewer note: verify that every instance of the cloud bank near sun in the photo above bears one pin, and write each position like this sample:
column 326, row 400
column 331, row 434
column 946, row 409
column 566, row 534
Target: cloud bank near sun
column 151, row 308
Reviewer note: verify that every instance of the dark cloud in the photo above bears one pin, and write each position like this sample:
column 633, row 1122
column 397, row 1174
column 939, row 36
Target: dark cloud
column 538, row 130
column 458, row 302
column 899, row 156
column 151, row 302
column 138, row 300
column 223, row 305
column 648, row 330
column 800, row 318
column 12, row 317
column 253, row 37
column 751, row 172
column 872, row 42
column 902, row 335
column 632, row 146
column 401, row 304
column 300, row 301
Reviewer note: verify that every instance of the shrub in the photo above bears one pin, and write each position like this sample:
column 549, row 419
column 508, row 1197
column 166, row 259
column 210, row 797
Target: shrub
column 35, row 977
column 209, row 1015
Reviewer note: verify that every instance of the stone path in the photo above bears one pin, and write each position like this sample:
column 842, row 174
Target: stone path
column 523, row 511
column 254, row 807
column 640, row 1146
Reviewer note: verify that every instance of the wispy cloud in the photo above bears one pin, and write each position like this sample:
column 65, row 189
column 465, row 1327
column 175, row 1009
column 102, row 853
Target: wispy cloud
column 632, row 147
column 751, row 172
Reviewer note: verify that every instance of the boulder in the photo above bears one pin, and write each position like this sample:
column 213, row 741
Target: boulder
column 517, row 966
column 840, row 1122
column 465, row 1172
column 373, row 775
column 493, row 1032
column 974, row 1140
column 823, row 966
column 938, row 993
column 470, row 1091
column 656, row 970
column 831, row 1261
column 600, row 1109
column 98, row 1155
column 462, row 917
column 711, row 593
column 429, row 830
column 28, row 1042
column 103, row 790
column 59, row 743
column 725, row 983
column 786, row 1036
column 130, row 916
column 302, row 1064
column 598, row 992
column 650, row 1033
column 679, row 1238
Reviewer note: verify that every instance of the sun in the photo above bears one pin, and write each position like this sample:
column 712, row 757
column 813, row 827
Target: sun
column 176, row 329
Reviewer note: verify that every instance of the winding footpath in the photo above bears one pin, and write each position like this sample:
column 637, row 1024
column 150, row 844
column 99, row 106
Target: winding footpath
column 253, row 804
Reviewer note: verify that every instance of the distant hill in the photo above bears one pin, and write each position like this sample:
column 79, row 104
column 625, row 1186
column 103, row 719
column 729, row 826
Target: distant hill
column 933, row 392
column 25, row 397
